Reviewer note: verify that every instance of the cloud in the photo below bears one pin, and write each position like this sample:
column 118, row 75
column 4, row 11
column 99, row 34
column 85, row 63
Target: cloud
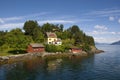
column 106, row 40
column 4, row 20
column 81, row 20
column 101, row 32
column 12, row 18
column 1, row 20
column 104, row 12
column 10, row 26
column 118, row 32
column 56, row 21
column 100, row 27
column 111, row 18
column 118, row 20
column 35, row 15
column 100, row 39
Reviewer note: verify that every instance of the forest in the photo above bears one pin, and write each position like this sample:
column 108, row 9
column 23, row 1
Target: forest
column 16, row 40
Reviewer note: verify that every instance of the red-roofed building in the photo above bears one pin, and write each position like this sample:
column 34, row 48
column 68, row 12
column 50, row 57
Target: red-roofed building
column 75, row 49
column 35, row 48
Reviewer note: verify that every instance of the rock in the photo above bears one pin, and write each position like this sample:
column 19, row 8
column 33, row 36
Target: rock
column 99, row 51
column 95, row 50
column 5, row 58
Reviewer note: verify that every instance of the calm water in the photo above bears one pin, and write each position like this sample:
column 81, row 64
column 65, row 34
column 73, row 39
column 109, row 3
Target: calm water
column 104, row 66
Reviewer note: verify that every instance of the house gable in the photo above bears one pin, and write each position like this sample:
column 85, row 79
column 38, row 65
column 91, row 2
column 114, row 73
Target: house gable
column 52, row 39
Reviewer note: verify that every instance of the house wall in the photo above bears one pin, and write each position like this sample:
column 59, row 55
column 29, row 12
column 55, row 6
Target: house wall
column 30, row 49
column 59, row 43
column 76, row 50
column 40, row 49
column 51, row 40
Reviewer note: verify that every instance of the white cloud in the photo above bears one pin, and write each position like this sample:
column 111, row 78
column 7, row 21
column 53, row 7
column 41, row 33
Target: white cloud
column 1, row 20
column 100, row 27
column 86, row 20
column 100, row 39
column 111, row 18
column 119, row 21
column 11, row 26
column 12, row 18
column 118, row 32
column 105, row 13
column 56, row 21
column 106, row 40
column 96, row 32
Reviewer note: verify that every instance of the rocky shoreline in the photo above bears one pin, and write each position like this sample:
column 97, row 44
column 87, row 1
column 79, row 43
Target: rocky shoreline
column 27, row 56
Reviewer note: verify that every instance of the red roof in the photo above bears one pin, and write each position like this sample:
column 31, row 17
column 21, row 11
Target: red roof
column 51, row 35
column 36, row 45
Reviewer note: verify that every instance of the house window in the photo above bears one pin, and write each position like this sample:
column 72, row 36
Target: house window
column 55, row 42
column 35, row 49
column 49, row 39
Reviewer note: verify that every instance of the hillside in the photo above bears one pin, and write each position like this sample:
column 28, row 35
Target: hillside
column 116, row 43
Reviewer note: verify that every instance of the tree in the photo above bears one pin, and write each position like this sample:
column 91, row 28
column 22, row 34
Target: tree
column 61, row 27
column 75, row 29
column 38, row 36
column 17, row 40
column 29, row 26
column 2, row 37
column 47, row 28
column 33, row 29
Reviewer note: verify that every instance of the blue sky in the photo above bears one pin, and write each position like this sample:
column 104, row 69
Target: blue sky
column 97, row 18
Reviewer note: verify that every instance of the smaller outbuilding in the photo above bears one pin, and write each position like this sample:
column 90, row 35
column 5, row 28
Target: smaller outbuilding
column 35, row 48
column 75, row 49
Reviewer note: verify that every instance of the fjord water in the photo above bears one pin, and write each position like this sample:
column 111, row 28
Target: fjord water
column 103, row 66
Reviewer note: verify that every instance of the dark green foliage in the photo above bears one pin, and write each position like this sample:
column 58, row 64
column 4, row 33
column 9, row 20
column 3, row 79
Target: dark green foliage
column 17, row 51
column 86, row 47
column 80, row 38
column 47, row 28
column 17, row 40
column 29, row 26
column 54, row 48
column 61, row 27
column 33, row 29
column 38, row 36
column 2, row 37
column 52, row 28
column 50, row 48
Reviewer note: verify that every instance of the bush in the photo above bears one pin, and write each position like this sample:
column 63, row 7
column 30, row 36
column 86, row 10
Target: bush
column 86, row 47
column 54, row 48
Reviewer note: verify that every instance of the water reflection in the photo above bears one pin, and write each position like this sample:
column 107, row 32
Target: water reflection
column 54, row 64
column 38, row 69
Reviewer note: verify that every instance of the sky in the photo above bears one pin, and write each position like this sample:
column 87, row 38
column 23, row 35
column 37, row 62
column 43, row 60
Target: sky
column 97, row 18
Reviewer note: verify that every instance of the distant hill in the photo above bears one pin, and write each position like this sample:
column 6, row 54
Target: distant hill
column 116, row 43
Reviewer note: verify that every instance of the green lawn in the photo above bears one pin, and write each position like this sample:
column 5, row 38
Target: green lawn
column 11, row 52
column 4, row 54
